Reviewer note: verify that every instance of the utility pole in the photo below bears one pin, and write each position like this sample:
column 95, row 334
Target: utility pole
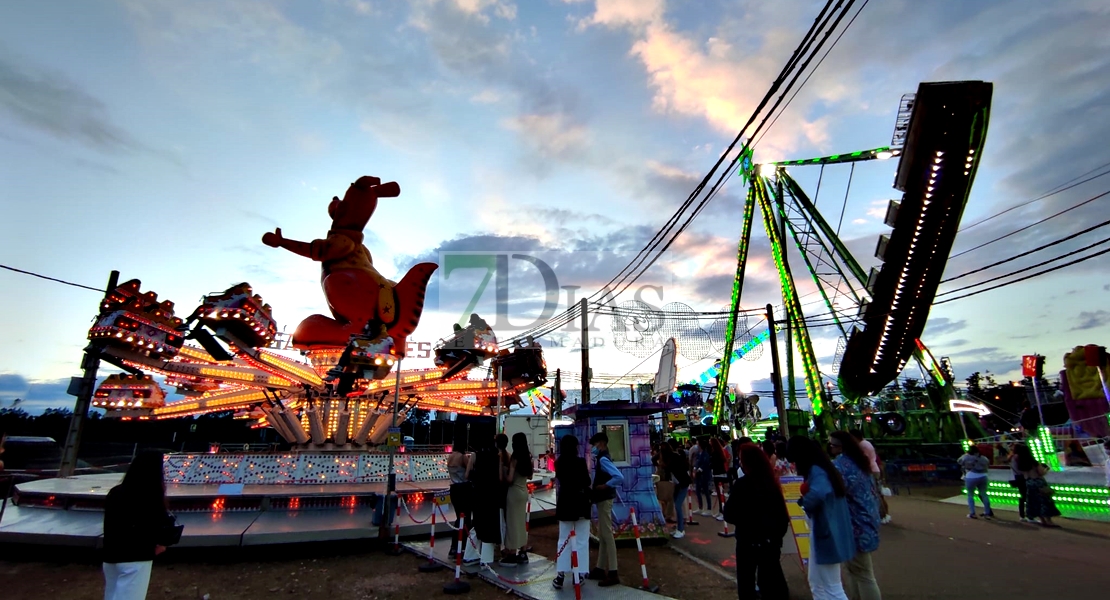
column 82, row 387
column 780, row 201
column 585, row 353
column 776, row 374
column 557, row 394
column 391, row 477
column 498, row 416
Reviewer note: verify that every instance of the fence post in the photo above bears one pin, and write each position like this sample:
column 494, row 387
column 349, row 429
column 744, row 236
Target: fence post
column 640, row 549
column 458, row 586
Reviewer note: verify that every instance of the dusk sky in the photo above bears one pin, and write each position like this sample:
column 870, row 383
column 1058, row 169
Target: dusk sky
column 162, row 138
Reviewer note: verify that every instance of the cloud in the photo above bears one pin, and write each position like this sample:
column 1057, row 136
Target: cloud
column 50, row 103
column 550, row 136
column 1092, row 319
column 941, row 326
column 34, row 396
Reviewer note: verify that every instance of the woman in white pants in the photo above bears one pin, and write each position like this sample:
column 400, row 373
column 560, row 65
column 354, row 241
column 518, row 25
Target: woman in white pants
column 134, row 516
column 572, row 509
column 824, row 499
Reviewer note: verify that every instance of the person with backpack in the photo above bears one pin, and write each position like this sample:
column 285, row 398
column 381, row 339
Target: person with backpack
column 757, row 509
column 679, row 469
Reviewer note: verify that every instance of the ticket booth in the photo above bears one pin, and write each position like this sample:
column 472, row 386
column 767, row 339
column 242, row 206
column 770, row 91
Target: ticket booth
column 627, row 425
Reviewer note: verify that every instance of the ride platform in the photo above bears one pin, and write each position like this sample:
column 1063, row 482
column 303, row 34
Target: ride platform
column 69, row 511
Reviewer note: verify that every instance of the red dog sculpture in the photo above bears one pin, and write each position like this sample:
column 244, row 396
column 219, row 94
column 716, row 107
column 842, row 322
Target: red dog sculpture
column 362, row 301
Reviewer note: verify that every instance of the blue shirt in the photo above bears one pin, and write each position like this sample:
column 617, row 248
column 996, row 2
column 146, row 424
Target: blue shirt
column 863, row 504
column 616, row 478
column 831, row 533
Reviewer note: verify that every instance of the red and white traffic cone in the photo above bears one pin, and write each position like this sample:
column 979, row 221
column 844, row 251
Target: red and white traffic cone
column 640, row 549
column 721, row 507
column 458, row 586
column 690, row 510
column 431, row 566
column 574, row 566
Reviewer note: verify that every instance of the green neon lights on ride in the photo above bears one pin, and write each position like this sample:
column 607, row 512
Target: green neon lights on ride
column 858, row 155
column 791, row 302
column 734, row 305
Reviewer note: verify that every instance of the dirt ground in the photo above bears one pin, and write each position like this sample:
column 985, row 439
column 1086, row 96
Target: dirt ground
column 931, row 550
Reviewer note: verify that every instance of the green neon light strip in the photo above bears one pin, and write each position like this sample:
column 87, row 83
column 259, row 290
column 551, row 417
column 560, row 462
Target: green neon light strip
column 857, row 156
column 734, row 306
column 711, row 373
column 790, row 300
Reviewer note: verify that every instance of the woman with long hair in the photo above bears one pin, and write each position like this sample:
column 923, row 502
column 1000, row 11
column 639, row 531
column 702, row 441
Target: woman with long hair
column 516, row 503
column 824, row 499
column 458, row 468
column 863, row 506
column 572, row 509
column 485, row 477
column 757, row 508
column 135, row 515
column 1021, row 462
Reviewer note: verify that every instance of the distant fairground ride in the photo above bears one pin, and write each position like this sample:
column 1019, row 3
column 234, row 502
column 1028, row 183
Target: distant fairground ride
column 344, row 396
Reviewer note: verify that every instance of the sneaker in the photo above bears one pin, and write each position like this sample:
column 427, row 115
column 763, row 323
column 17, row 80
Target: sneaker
column 557, row 583
column 522, row 558
column 972, row 516
column 678, row 535
column 610, row 580
column 596, row 574
column 720, row 517
column 988, row 516
column 887, row 519
column 509, row 561
column 471, row 561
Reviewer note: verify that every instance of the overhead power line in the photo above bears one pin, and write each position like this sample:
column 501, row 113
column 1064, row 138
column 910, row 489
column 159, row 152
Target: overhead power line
column 54, row 279
column 1033, row 224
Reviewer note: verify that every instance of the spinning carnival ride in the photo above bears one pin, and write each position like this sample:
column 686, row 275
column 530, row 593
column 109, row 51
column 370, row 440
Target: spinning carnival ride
column 938, row 139
column 345, row 393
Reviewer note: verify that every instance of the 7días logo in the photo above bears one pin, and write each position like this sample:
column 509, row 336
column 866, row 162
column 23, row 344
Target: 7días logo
column 498, row 264
column 639, row 327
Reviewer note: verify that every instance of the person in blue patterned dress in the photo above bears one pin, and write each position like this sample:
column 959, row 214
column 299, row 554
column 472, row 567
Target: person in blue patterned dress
column 863, row 505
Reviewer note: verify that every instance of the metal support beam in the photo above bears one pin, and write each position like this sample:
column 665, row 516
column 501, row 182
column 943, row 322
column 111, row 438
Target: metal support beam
column 790, row 298
column 83, row 387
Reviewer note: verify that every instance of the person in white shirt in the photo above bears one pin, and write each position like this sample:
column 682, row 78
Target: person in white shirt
column 873, row 459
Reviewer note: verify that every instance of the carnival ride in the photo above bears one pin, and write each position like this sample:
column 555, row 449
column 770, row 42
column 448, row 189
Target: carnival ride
column 345, row 394
column 880, row 315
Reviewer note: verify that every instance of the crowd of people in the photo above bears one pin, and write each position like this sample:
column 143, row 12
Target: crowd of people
column 841, row 498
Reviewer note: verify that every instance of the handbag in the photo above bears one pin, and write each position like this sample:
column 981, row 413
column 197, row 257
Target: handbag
column 169, row 534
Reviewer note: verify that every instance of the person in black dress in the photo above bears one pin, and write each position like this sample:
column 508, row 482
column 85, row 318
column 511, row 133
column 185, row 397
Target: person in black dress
column 135, row 516
column 758, row 510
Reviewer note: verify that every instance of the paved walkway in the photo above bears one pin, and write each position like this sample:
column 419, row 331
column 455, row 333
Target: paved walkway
column 532, row 581
column 932, row 550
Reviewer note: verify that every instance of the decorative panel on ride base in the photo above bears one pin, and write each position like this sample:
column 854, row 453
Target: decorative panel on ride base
column 305, row 468
column 428, row 466
column 216, row 468
column 328, row 468
column 270, row 468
